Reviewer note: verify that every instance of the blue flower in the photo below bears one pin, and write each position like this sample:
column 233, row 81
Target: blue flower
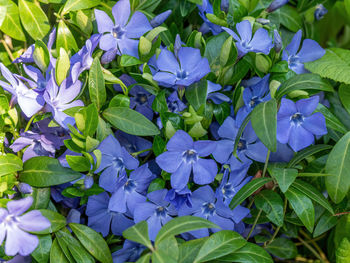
column 133, row 143
column 277, row 41
column 206, row 206
column 309, row 51
column 115, row 159
column 276, row 4
column 130, row 252
column 204, row 9
column 259, row 43
column 296, row 125
column 183, row 70
column 320, row 12
column 214, row 96
column 183, row 157
column 121, row 36
column 102, row 219
column 159, row 19
column 130, row 191
column 179, row 197
column 157, row 212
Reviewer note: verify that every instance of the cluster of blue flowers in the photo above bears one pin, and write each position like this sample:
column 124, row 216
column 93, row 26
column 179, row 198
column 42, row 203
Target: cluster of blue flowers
column 204, row 174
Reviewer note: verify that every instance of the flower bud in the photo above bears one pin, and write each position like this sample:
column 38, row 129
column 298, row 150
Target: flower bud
column 320, row 12
column 277, row 41
column 276, row 5
column 159, row 19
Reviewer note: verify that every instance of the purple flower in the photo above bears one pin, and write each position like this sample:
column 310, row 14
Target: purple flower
column 130, row 191
column 133, row 143
column 82, row 60
column 14, row 226
column 102, row 219
column 277, row 41
column 37, row 82
column 183, row 157
column 204, row 9
column 216, row 97
column 121, row 35
column 309, row 51
column 159, row 19
column 296, row 125
column 186, row 68
column 320, row 12
column 29, row 100
column 179, row 197
column 115, row 159
column 130, row 252
column 206, row 206
column 174, row 103
column 276, row 4
column 61, row 98
column 249, row 145
column 259, row 43
column 157, row 212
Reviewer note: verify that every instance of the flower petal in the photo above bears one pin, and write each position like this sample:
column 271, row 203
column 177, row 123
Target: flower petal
column 169, row 161
column 315, row 124
column 121, row 12
column 33, row 221
column 180, row 177
column 137, row 26
column 204, row 171
column 104, row 22
column 300, row 138
column 18, row 207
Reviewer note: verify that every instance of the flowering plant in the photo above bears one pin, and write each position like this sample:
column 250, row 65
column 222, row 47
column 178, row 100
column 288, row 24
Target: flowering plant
column 174, row 131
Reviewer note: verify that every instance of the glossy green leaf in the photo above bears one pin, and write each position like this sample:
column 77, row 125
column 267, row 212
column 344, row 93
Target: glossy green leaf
column 159, row 256
column 78, row 163
column 332, row 121
column 290, row 18
column 130, row 121
column 65, row 38
column 42, row 252
column 145, row 258
column 303, row 207
column 57, row 221
column 196, row 94
column 41, row 55
column 139, row 233
column 11, row 24
column 189, row 250
column 62, row 66
column 213, row 50
column 343, row 251
column 284, row 177
column 303, row 82
column 97, row 89
column 325, row 223
column 169, row 247
column 41, row 198
column 87, row 120
column 159, row 103
column 56, row 254
column 45, row 171
column 344, row 96
column 93, row 242
column 282, row 248
column 220, row 244
column 307, row 152
column 128, row 61
column 342, row 230
column 183, row 224
column 272, row 204
column 119, row 100
column 33, row 19
column 73, row 5
column 338, row 164
column 250, row 253
column 264, row 122
column 10, row 163
column 247, row 190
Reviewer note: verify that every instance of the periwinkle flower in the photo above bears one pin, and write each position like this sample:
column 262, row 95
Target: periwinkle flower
column 29, row 100
column 133, row 143
column 14, row 226
column 246, row 42
column 157, row 212
column 62, row 98
column 115, row 159
column 102, row 219
column 82, row 60
column 38, row 81
column 320, row 12
column 159, row 19
column 131, row 191
column 183, row 158
column 174, row 103
column 183, row 70
column 310, row 51
column 277, row 41
column 206, row 206
column 121, row 36
column 204, row 9
column 178, row 198
column 296, row 125
column 215, row 96
column 130, row 252
column 276, row 4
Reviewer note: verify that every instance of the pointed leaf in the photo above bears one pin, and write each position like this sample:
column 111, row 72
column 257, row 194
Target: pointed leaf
column 283, row 248
column 196, row 94
column 325, row 223
column 65, row 38
column 271, row 203
column 284, row 177
column 189, row 250
column 73, row 5
column 139, row 233
column 10, row 163
column 56, row 253
column 11, row 24
column 309, row 151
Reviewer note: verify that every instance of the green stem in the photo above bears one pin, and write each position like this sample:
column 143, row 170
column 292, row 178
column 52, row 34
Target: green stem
column 266, row 163
column 137, row 153
column 29, row 123
column 254, row 224
column 278, row 228
column 312, row 250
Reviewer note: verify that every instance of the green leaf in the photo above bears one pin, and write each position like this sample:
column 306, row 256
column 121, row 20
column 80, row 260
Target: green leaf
column 182, row 224
column 120, row 100
column 145, row 258
column 10, row 163
column 41, row 55
column 220, row 244
column 334, row 65
column 97, row 89
column 43, row 171
column 56, row 253
column 290, row 18
column 264, row 122
column 196, row 94
column 271, row 203
column 130, row 121
column 128, row 61
column 247, row 190
column 73, row 5
column 11, row 24
column 307, row 152
column 344, row 95
column 250, row 253
column 213, row 51
column 303, row 207
column 284, row 177
column 93, row 242
column 33, row 19
column 156, row 184
column 62, row 66
column 325, row 223
column 57, row 221
column 87, row 120
column 311, row 192
column 159, row 103
column 65, row 38
column 139, row 233
column 169, row 247
column 228, row 53
column 159, row 256
column 42, row 252
column 338, row 164
column 332, row 121
column 189, row 250
column 342, row 230
column 343, row 251
column 303, row 82
column 282, row 248
column 41, row 198
column 78, row 163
